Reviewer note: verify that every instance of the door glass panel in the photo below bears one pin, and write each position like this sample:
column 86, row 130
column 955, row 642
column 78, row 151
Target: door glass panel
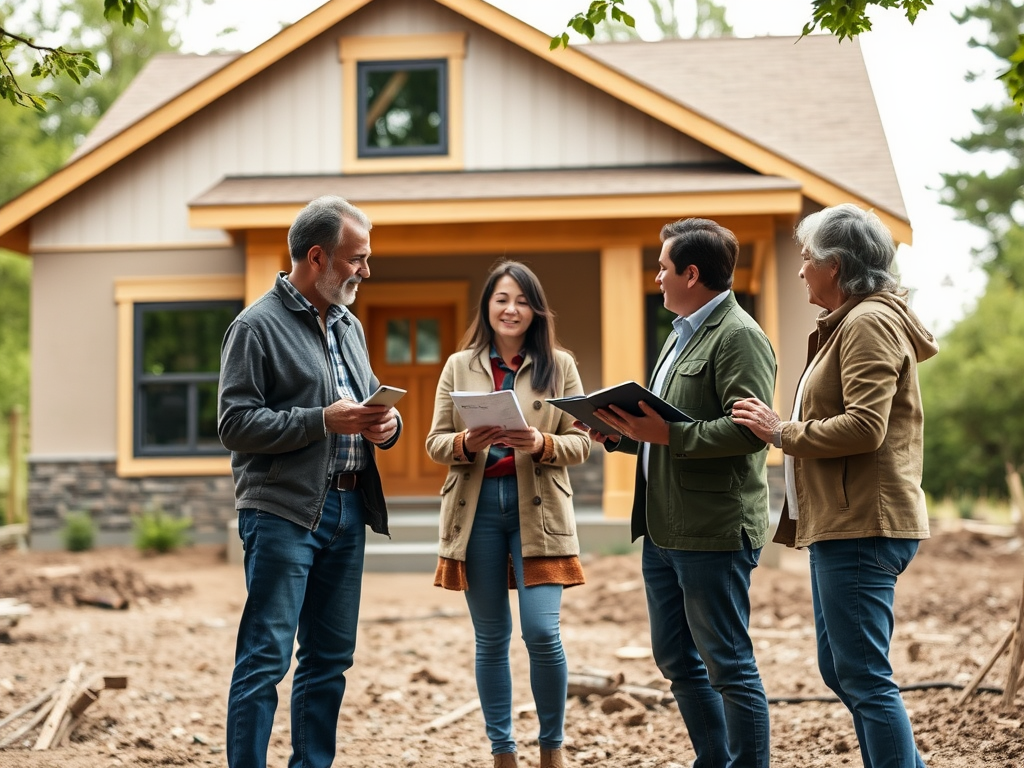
column 428, row 340
column 398, row 350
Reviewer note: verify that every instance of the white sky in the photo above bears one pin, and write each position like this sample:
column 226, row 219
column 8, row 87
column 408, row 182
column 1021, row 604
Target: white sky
column 917, row 73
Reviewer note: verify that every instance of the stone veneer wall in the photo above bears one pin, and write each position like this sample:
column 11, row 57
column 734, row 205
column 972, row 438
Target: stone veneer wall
column 56, row 488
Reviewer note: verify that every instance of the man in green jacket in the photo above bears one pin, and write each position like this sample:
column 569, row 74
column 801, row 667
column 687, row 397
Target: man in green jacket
column 701, row 497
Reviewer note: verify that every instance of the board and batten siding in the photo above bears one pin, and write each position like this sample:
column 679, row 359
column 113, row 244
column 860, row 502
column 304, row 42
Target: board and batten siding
column 521, row 112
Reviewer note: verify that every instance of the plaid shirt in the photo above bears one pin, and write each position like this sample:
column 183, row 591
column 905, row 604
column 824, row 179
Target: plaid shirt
column 502, row 461
column 353, row 453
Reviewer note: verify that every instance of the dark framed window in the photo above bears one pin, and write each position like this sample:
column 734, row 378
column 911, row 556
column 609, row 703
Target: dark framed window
column 176, row 368
column 403, row 108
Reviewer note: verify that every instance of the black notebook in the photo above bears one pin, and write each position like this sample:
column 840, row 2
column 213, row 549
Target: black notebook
column 626, row 396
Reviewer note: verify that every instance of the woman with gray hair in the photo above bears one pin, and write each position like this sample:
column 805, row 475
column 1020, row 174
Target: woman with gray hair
column 853, row 457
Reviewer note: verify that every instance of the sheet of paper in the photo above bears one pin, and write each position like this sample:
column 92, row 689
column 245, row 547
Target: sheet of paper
column 490, row 409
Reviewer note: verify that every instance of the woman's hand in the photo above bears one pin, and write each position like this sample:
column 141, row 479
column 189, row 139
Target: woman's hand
column 528, row 440
column 757, row 417
column 480, row 438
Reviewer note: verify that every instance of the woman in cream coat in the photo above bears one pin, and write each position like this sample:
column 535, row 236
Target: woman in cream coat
column 506, row 512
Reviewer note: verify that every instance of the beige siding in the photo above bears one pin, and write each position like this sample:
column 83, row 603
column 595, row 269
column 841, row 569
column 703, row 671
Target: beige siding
column 796, row 321
column 525, row 113
column 74, row 333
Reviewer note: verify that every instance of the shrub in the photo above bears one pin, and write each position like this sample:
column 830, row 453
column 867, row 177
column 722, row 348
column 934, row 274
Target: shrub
column 965, row 506
column 156, row 531
column 79, row 532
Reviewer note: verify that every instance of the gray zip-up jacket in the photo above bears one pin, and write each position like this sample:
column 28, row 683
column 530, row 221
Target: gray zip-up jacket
column 276, row 378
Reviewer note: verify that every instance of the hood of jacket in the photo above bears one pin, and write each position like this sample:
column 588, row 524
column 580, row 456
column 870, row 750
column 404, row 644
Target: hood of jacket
column 922, row 340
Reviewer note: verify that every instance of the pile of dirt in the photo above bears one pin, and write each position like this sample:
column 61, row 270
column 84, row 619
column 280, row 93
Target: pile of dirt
column 114, row 586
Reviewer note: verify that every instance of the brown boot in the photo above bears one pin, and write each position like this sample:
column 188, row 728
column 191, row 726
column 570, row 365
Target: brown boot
column 506, row 760
column 551, row 758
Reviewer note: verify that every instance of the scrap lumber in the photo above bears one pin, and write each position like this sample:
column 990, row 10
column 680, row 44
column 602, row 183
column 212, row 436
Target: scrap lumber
column 57, row 711
column 594, row 681
column 36, row 718
column 35, row 704
column 450, row 717
column 60, row 705
column 11, row 611
column 972, row 686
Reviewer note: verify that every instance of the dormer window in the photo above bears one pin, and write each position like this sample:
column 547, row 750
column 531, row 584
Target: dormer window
column 402, row 108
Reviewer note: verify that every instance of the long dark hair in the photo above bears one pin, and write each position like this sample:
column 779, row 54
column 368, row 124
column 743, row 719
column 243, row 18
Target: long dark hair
column 539, row 341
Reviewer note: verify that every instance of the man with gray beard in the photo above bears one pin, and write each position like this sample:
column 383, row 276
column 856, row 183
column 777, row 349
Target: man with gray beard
column 294, row 370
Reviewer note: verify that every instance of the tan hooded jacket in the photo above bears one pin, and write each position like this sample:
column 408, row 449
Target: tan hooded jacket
column 858, row 445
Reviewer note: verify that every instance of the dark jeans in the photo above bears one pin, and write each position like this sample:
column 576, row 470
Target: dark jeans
column 494, row 537
column 853, row 586
column 303, row 584
column 700, row 612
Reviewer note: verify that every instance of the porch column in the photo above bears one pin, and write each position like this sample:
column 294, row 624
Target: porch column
column 622, row 356
column 266, row 254
column 765, row 284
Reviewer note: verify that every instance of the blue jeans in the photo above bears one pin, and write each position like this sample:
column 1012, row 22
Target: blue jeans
column 494, row 537
column 699, row 608
column 304, row 582
column 853, row 586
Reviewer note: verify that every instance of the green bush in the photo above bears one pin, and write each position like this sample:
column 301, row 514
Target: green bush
column 156, row 531
column 965, row 506
column 79, row 532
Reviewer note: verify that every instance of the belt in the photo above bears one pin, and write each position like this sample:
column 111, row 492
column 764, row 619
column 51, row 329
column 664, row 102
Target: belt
column 344, row 481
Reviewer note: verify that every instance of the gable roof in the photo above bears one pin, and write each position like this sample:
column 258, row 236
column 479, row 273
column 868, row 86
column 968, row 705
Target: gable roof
column 615, row 76
column 165, row 77
column 798, row 96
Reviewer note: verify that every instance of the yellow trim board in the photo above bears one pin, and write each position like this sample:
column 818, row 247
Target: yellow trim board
column 402, row 47
column 667, row 206
column 410, row 294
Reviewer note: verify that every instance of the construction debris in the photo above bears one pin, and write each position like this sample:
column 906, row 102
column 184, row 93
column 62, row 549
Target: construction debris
column 56, row 712
column 11, row 611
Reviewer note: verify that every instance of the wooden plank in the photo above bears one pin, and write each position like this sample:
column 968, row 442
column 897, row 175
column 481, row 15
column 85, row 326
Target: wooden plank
column 976, row 680
column 27, row 727
column 115, row 682
column 456, row 714
column 82, row 702
column 60, row 705
column 37, row 702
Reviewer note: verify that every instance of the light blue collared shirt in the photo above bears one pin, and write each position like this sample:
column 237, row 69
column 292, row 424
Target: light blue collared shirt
column 685, row 328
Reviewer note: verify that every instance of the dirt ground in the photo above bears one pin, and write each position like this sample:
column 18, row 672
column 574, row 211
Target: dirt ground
column 414, row 663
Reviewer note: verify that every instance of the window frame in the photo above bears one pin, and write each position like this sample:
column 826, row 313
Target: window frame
column 366, row 68
column 128, row 292
column 192, row 380
column 399, row 49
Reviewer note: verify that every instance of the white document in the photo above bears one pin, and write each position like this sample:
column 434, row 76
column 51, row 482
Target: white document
column 490, row 409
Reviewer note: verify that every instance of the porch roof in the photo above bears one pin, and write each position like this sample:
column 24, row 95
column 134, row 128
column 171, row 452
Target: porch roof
column 572, row 193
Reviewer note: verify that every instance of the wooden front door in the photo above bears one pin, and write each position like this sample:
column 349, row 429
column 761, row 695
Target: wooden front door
column 408, row 347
